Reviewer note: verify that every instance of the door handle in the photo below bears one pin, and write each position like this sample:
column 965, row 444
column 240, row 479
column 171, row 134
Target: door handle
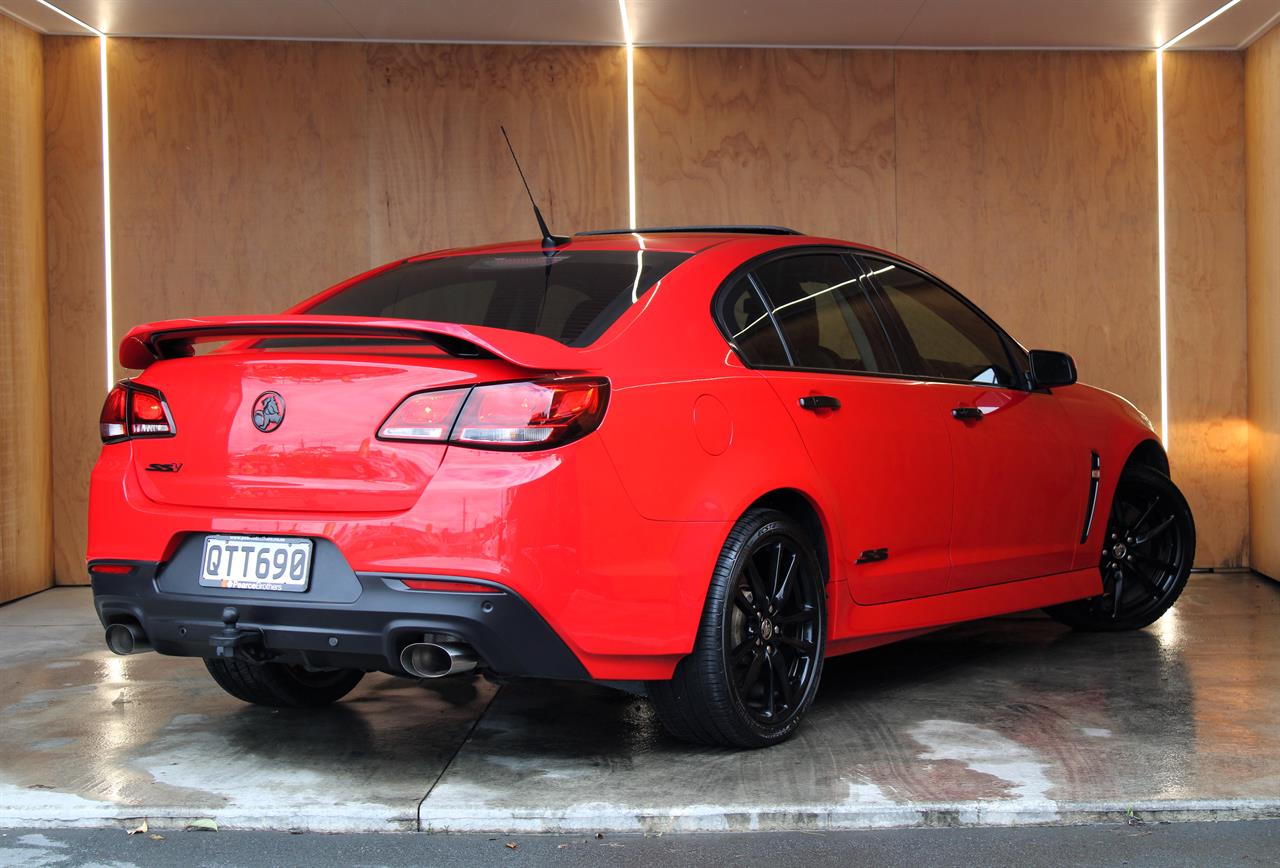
column 819, row 402
column 967, row 414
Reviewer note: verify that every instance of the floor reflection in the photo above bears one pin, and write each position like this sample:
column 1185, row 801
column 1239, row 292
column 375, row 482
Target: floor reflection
column 1009, row 711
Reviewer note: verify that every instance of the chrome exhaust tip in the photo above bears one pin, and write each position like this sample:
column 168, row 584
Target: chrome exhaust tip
column 436, row 660
column 126, row 639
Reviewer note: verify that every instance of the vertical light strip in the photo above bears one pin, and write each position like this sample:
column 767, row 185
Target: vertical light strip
column 631, row 114
column 108, row 287
column 1162, row 253
column 108, row 300
column 1161, row 219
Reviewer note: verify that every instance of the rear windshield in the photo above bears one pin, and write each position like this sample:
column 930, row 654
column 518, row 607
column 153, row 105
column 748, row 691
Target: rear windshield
column 568, row 296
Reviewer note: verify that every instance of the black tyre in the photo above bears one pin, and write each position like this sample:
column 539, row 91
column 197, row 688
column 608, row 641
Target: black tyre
column 758, row 656
column 281, row 686
column 1147, row 554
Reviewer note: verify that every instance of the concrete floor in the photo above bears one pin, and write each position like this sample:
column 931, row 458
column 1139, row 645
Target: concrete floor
column 1007, row 721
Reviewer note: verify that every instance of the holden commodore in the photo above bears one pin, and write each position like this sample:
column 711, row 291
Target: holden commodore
column 691, row 463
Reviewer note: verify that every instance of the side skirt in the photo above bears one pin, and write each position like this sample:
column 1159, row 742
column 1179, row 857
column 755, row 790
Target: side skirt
column 854, row 624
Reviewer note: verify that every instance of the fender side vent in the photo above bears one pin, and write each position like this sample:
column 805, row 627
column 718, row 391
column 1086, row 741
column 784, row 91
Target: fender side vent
column 1095, row 477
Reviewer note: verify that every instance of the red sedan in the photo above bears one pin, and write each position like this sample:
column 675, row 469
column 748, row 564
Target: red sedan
column 691, row 463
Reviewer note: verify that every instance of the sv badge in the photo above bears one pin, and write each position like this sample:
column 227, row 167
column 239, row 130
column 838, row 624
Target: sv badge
column 172, row 467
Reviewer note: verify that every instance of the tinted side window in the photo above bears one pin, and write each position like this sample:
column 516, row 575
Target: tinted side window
column 822, row 309
column 951, row 340
column 750, row 328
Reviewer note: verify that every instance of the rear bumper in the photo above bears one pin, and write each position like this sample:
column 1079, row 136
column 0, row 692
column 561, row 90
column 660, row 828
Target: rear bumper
column 345, row 620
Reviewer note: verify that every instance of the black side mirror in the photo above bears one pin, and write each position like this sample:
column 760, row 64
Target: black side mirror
column 1051, row 368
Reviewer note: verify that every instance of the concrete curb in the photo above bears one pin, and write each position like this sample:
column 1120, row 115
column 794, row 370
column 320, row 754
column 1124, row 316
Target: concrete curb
column 708, row 818
column 599, row 817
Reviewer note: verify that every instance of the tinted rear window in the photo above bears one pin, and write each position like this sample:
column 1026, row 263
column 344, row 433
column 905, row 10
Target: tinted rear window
column 569, row 296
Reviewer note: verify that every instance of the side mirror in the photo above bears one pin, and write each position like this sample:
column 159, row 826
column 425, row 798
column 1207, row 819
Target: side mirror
column 1051, row 368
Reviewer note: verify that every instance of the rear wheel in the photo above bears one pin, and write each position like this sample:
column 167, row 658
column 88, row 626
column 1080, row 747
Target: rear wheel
column 1146, row 556
column 282, row 686
column 758, row 656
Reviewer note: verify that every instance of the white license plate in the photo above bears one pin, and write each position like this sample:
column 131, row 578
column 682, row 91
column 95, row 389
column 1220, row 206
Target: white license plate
column 256, row 563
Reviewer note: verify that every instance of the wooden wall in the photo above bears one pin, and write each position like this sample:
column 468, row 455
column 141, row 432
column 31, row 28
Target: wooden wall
column 249, row 173
column 1262, row 149
column 1205, row 233
column 25, row 536
column 77, row 309
column 1026, row 179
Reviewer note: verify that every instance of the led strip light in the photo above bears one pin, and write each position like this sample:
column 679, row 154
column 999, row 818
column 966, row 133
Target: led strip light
column 1161, row 220
column 631, row 113
column 108, row 300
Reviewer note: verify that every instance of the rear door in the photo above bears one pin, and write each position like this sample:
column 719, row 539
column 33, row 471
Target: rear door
column 1018, row 506
column 806, row 320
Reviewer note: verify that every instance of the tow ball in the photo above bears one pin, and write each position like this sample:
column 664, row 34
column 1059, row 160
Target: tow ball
column 231, row 641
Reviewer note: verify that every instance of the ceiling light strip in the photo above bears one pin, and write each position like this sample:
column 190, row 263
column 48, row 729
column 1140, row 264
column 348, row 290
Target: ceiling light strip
column 108, row 293
column 631, row 114
column 1161, row 219
column 1194, row 27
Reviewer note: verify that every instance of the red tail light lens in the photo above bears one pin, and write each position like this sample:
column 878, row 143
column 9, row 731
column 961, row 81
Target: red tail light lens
column 424, row 416
column 531, row 415
column 111, row 422
column 528, row 415
column 132, row 411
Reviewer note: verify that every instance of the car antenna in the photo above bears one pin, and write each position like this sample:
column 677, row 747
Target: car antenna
column 549, row 241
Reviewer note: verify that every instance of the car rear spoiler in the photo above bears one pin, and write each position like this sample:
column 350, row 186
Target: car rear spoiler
column 176, row 338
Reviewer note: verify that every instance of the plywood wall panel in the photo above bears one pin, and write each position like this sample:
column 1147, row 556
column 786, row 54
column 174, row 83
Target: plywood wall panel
column 1262, row 157
column 441, row 175
column 239, row 174
column 803, row 138
column 1028, row 181
column 77, row 309
column 25, row 531
column 1205, row 201
column 247, row 174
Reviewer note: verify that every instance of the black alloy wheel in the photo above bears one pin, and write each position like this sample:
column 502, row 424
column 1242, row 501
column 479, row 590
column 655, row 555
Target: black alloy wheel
column 1147, row 553
column 770, row 636
column 757, row 660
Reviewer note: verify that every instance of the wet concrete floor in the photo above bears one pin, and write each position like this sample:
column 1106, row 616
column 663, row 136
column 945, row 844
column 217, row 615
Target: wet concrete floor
column 1004, row 721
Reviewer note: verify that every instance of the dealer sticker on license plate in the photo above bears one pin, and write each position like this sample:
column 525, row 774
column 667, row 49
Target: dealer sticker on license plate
column 256, row 563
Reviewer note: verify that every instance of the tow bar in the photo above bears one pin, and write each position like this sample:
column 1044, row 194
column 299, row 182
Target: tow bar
column 231, row 641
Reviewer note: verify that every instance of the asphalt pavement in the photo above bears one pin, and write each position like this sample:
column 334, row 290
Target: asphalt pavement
column 1244, row 843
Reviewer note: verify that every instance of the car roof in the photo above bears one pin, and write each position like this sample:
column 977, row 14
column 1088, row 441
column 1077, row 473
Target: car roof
column 677, row 239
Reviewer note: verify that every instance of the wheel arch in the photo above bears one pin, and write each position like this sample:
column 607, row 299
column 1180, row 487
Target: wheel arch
column 1149, row 453
column 801, row 507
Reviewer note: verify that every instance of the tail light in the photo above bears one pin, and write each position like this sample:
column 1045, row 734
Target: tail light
column 538, row 414
column 132, row 410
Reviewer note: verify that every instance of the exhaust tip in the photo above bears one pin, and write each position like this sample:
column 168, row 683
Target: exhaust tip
column 432, row 660
column 126, row 639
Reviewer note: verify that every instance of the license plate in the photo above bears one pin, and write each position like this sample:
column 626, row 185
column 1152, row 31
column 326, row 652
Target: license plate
column 256, row 563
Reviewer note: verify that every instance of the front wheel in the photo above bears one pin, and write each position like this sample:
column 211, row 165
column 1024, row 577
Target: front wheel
column 280, row 686
column 1147, row 553
column 758, row 656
